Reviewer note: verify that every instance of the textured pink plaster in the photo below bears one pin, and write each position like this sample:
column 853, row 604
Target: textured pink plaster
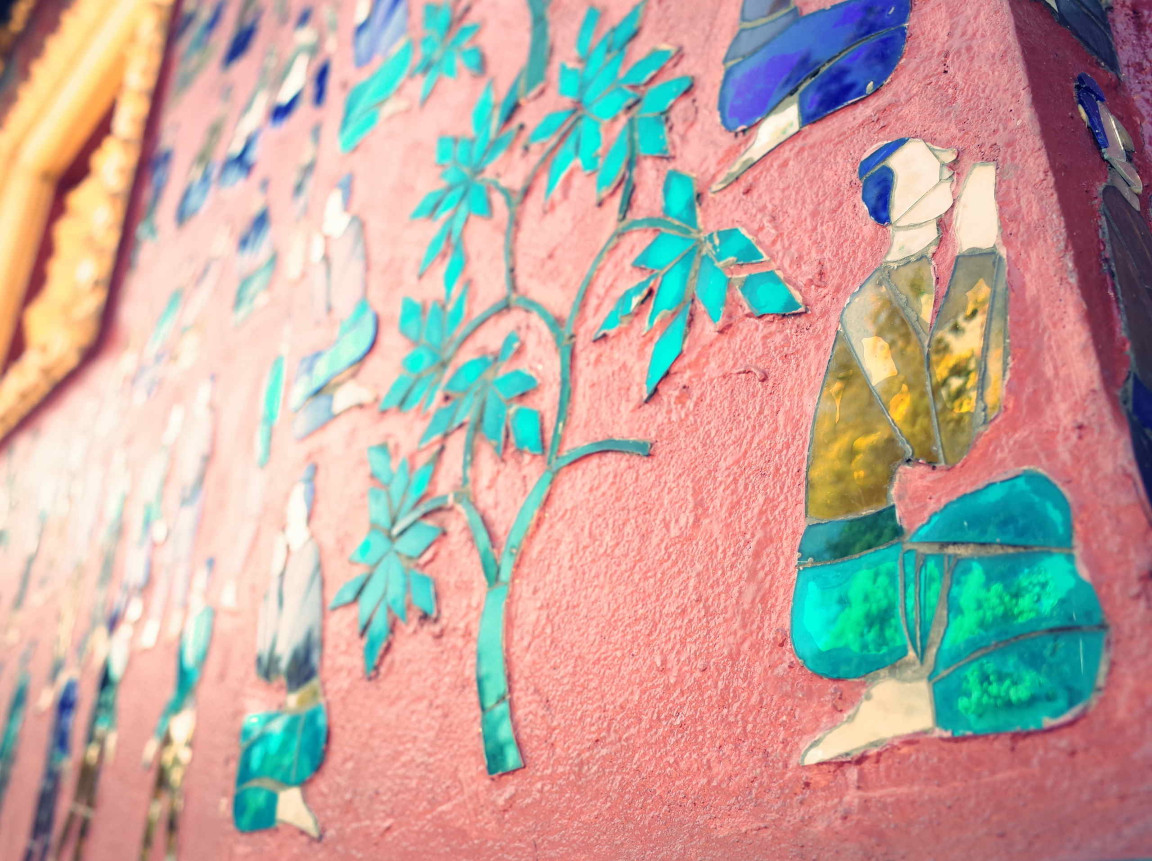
column 658, row 703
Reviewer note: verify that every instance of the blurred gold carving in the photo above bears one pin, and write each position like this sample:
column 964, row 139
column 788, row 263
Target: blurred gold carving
column 104, row 55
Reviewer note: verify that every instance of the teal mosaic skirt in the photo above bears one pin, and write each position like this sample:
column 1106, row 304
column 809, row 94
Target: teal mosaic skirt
column 277, row 750
column 984, row 600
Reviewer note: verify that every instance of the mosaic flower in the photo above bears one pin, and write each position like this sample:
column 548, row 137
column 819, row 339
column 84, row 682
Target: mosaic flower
column 397, row 538
column 443, row 51
column 465, row 191
column 688, row 264
column 602, row 90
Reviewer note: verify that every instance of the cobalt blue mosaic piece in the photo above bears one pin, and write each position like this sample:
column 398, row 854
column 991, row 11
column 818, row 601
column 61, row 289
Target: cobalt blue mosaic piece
column 247, row 23
column 320, row 91
column 829, row 58
column 195, row 194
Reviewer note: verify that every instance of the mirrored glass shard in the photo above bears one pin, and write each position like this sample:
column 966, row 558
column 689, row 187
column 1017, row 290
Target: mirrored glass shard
column 1088, row 21
column 663, row 250
column 913, row 286
column 673, row 289
column 854, row 451
column 889, row 349
column 845, row 614
column 734, row 245
column 349, row 592
column 423, row 592
column 376, row 639
column 838, row 539
column 373, row 592
column 355, row 339
column 366, row 102
column 270, row 412
column 1130, row 256
column 630, row 300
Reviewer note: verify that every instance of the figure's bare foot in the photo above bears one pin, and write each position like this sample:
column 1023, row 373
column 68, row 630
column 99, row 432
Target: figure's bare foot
column 890, row 708
column 292, row 810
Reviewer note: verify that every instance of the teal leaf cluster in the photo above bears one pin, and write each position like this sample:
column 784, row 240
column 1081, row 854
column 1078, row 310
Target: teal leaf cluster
column 689, row 264
column 443, row 51
column 363, row 107
column 481, row 394
column 602, row 90
column 398, row 536
column 465, row 191
column 431, row 331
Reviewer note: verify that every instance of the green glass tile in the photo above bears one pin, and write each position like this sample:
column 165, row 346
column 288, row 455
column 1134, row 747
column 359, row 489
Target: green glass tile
column 514, row 383
column 660, row 97
column 549, row 126
column 421, row 478
column 396, row 595
column 380, row 462
column 398, row 486
column 1024, row 685
column 995, row 598
column 254, row 809
column 672, row 290
column 1028, row 510
column 590, row 143
column 561, row 161
column 587, row 30
column 614, row 162
column 494, row 420
column 417, row 538
column 652, row 136
column 376, row 639
column 846, row 617
column 643, row 69
column 837, row 539
column 379, row 508
column 625, row 307
column 373, row 592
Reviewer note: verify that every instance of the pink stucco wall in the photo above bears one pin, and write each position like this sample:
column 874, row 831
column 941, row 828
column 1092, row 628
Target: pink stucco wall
column 659, row 706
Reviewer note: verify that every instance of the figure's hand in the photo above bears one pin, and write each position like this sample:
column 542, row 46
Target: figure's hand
column 977, row 216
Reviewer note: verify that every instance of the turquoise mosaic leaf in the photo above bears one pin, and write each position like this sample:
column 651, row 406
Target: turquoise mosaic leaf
column 440, row 53
column 644, row 69
column 430, row 330
column 659, row 98
column 365, row 101
column 666, row 351
column 766, row 293
column 527, row 431
column 690, row 264
column 549, row 126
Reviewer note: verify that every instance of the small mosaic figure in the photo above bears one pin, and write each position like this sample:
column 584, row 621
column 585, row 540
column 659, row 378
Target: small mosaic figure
column 784, row 70
column 979, row 621
column 59, row 748
column 1129, row 255
column 172, row 739
column 170, row 592
column 280, row 750
column 201, row 175
column 100, row 742
column 243, row 147
column 325, row 382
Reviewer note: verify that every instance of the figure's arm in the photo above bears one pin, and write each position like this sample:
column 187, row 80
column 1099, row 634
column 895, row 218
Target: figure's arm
column 968, row 344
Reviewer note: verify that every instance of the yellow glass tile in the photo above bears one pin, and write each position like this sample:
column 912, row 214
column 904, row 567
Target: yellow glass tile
column 854, row 451
column 890, row 351
column 957, row 351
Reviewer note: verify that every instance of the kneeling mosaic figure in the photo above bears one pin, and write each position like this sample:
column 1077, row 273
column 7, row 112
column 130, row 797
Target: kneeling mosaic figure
column 978, row 622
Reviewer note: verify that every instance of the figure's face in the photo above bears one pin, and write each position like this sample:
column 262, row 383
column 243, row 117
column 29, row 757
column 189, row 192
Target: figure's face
column 923, row 183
